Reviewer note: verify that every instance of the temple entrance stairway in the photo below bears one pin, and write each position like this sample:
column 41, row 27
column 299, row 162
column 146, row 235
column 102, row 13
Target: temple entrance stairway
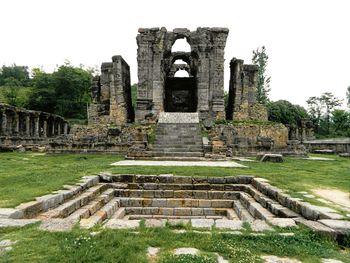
column 178, row 134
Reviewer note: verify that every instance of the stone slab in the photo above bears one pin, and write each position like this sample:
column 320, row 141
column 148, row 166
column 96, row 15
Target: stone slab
column 186, row 251
column 341, row 225
column 202, row 223
column 17, row 222
column 229, row 224
column 274, row 259
column 260, row 225
column 57, row 225
column 178, row 117
column 122, row 224
column 179, row 163
column 282, row 222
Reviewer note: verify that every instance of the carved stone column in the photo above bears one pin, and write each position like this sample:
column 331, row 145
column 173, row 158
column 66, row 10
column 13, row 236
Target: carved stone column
column 59, row 127
column 27, row 125
column 65, row 128
column 53, row 128
column 45, row 128
column 4, row 123
column 36, row 126
column 16, row 123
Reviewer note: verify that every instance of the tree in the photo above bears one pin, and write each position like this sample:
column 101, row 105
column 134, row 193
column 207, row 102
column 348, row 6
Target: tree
column 64, row 92
column 340, row 123
column 263, row 87
column 11, row 86
column 348, row 97
column 320, row 109
column 19, row 73
column 283, row 111
column 330, row 102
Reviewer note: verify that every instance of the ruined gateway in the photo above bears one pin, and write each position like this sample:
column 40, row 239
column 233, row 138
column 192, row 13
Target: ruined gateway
column 159, row 90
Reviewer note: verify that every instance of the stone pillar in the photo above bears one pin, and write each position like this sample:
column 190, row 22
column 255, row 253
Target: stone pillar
column 27, row 132
column 4, row 123
column 59, row 127
column 53, row 128
column 36, row 126
column 65, row 128
column 16, row 123
column 45, row 128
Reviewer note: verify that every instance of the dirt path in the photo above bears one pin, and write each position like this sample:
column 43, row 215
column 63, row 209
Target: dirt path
column 336, row 196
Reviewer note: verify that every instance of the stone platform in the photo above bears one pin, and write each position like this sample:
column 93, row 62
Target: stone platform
column 179, row 163
column 123, row 200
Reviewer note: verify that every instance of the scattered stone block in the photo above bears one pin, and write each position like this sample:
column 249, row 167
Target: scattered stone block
column 271, row 157
column 152, row 252
column 328, row 260
column 274, row 259
column 186, row 251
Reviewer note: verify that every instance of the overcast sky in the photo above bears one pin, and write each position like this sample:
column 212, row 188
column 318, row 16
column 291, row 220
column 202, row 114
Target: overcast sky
column 308, row 42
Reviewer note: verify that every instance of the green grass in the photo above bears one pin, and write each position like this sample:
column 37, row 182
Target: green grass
column 124, row 246
column 36, row 175
column 24, row 176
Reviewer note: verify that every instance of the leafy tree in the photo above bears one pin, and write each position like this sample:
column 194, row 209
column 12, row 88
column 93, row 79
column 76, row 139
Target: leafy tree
column 340, row 123
column 263, row 87
column 285, row 112
column 320, row 109
column 64, row 92
column 14, row 72
column 43, row 96
column 11, row 86
column 348, row 97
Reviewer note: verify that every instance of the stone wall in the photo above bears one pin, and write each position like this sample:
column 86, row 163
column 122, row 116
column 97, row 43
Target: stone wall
column 205, row 62
column 246, row 138
column 242, row 104
column 337, row 145
column 104, row 139
column 111, row 94
column 26, row 127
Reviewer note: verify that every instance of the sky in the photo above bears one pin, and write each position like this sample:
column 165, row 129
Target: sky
column 308, row 41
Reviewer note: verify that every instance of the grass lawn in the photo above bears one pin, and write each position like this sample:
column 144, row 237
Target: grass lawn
column 122, row 246
column 28, row 175
column 24, row 176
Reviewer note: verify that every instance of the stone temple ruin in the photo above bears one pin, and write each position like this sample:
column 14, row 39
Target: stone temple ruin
column 193, row 106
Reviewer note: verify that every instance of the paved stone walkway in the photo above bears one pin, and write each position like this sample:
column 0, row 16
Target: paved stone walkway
column 179, row 163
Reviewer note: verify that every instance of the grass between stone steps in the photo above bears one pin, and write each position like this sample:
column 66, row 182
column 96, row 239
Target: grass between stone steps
column 123, row 246
column 24, row 176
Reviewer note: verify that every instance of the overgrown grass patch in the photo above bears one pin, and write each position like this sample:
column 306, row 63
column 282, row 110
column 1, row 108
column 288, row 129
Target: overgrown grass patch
column 127, row 246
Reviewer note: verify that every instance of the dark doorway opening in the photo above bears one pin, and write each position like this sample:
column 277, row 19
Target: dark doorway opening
column 180, row 94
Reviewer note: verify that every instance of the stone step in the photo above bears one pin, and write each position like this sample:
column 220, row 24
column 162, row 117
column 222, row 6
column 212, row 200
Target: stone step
column 93, row 206
column 242, row 212
column 273, row 206
column 175, row 202
column 182, row 150
column 104, row 213
column 178, row 211
column 177, row 154
column 194, row 194
column 140, row 217
column 255, row 208
column 74, row 204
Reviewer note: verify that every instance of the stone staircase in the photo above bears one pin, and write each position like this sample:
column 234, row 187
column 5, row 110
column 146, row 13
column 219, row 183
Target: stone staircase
column 123, row 200
column 178, row 134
